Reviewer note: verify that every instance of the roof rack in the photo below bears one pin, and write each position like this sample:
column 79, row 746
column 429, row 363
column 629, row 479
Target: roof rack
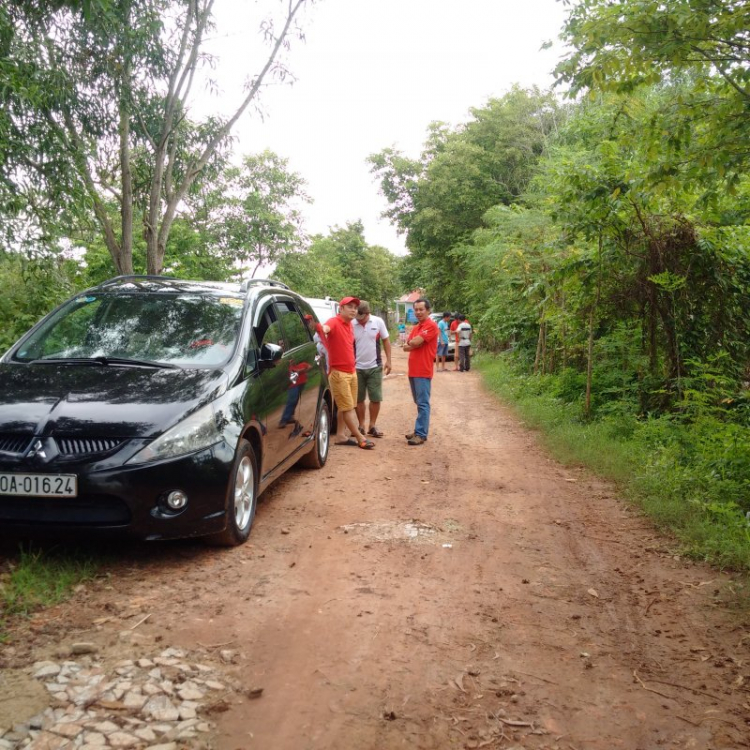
column 262, row 282
column 139, row 277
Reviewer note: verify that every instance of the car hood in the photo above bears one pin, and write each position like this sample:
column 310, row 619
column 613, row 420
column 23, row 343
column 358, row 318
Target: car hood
column 105, row 401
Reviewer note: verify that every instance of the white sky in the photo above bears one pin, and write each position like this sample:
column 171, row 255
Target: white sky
column 373, row 74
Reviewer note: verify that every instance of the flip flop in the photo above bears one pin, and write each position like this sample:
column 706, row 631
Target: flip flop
column 367, row 445
column 375, row 432
column 349, row 441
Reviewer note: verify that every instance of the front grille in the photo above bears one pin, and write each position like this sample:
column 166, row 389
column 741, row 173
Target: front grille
column 88, row 510
column 14, row 443
column 86, row 446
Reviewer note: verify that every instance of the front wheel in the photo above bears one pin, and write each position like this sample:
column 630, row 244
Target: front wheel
column 318, row 454
column 242, row 500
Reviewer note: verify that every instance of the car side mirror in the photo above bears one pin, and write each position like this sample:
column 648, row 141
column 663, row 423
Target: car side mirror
column 270, row 356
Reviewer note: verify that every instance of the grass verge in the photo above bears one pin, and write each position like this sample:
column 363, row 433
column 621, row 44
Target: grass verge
column 37, row 578
column 686, row 477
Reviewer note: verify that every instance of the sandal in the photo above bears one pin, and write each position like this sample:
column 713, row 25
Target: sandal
column 375, row 432
column 349, row 441
column 366, row 445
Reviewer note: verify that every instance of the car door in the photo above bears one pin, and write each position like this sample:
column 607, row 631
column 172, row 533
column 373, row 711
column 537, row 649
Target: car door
column 274, row 381
column 305, row 377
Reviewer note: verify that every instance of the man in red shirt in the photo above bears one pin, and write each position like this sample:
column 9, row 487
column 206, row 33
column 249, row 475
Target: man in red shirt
column 342, row 375
column 454, row 326
column 422, row 346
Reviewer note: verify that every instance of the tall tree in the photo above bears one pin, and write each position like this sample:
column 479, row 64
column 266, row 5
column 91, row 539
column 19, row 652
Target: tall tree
column 96, row 106
column 619, row 45
column 249, row 215
column 439, row 199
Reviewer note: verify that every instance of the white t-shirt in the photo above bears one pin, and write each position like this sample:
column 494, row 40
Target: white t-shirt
column 464, row 333
column 367, row 342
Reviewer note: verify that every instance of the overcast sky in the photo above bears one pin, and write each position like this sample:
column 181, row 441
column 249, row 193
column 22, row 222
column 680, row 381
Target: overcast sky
column 373, row 74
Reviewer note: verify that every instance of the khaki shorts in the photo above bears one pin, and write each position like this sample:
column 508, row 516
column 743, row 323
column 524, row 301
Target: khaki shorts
column 344, row 389
column 370, row 384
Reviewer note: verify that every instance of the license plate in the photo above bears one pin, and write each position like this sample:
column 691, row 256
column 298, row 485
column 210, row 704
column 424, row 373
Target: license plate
column 39, row 485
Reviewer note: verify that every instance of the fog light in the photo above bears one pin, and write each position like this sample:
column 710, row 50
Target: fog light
column 177, row 500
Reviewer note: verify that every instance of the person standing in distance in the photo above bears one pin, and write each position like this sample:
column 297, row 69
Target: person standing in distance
column 464, row 332
column 444, row 338
column 342, row 375
column 422, row 346
column 369, row 332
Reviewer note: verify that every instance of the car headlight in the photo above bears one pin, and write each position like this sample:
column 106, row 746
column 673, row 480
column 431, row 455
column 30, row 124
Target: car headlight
column 195, row 433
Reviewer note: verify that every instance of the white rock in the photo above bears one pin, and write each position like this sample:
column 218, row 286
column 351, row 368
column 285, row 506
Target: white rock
column 160, row 708
column 161, row 728
column 150, row 689
column 165, row 662
column 227, row 655
column 176, row 652
column 122, row 739
column 86, row 696
column 145, row 734
column 47, row 741
column 94, row 738
column 190, row 693
column 203, row 668
column 71, row 730
column 167, row 746
column 155, row 673
column 167, row 686
column 44, row 669
column 187, row 713
column 134, row 700
column 105, row 727
column 145, row 663
column 204, row 726
column 213, row 685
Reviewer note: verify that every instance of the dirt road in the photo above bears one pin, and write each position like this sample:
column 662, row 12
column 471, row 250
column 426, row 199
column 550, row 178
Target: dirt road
column 466, row 593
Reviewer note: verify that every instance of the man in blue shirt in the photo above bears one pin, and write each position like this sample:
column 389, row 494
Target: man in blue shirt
column 443, row 339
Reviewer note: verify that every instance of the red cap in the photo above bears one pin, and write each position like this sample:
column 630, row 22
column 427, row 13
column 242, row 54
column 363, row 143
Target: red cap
column 349, row 300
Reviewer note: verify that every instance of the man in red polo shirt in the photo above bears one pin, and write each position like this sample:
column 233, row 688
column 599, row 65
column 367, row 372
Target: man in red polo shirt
column 422, row 346
column 342, row 373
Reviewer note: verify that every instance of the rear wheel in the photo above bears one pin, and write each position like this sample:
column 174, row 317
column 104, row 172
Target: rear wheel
column 318, row 455
column 242, row 500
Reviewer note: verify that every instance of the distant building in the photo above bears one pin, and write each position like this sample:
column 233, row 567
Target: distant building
column 405, row 307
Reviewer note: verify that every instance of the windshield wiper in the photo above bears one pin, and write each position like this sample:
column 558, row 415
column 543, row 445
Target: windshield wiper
column 105, row 362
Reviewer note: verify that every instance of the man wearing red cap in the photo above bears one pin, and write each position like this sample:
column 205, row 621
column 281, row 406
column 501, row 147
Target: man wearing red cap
column 342, row 374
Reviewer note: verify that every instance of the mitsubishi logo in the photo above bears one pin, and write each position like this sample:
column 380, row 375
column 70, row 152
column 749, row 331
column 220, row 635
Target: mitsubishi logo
column 37, row 450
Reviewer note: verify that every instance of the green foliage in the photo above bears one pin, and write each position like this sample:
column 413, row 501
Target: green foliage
column 340, row 264
column 39, row 578
column 29, row 288
column 440, row 199
column 247, row 217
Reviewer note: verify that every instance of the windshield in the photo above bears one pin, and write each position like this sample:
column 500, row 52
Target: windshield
column 185, row 330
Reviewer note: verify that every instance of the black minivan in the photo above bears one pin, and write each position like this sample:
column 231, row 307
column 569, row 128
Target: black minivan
column 159, row 407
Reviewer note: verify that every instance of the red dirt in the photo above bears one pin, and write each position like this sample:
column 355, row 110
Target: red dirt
column 467, row 593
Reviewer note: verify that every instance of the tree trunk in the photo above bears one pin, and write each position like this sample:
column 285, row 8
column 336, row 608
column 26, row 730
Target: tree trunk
column 126, row 200
column 592, row 320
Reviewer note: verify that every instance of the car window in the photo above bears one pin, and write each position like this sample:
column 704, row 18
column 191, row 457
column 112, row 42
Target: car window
column 182, row 329
column 296, row 331
column 268, row 329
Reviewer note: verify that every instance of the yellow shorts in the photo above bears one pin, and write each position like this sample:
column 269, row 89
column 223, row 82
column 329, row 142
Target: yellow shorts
column 344, row 389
